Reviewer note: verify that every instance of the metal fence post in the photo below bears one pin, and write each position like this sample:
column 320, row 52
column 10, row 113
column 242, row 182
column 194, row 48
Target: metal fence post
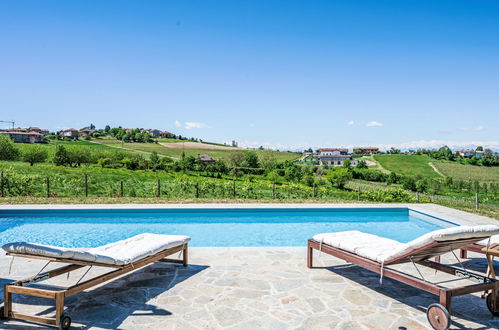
column 273, row 190
column 234, row 188
column 1, row 184
column 48, row 187
column 476, row 200
column 314, row 190
column 197, row 189
column 86, row 185
column 121, row 188
column 358, row 193
column 158, row 193
column 417, row 196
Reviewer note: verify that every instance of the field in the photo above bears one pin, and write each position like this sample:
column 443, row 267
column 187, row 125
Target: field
column 188, row 148
column 468, row 172
column 22, row 180
column 408, row 165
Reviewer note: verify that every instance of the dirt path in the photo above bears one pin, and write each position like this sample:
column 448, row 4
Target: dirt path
column 436, row 169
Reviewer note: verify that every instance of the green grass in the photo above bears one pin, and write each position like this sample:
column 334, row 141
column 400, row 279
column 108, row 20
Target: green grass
column 407, row 165
column 468, row 172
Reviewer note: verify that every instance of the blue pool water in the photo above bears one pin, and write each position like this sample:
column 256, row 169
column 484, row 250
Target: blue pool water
column 209, row 227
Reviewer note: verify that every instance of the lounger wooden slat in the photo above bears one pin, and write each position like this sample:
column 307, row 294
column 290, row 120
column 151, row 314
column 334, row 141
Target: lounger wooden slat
column 59, row 294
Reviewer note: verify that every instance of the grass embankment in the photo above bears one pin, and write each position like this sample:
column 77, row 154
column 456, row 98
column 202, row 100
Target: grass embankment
column 408, row 165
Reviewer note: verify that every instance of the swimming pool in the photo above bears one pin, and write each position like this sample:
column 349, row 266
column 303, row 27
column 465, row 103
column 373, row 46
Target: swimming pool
column 210, row 227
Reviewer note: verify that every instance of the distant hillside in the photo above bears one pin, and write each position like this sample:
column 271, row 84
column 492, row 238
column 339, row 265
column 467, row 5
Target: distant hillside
column 407, row 164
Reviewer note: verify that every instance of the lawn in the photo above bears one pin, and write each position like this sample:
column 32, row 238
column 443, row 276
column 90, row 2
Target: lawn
column 408, row 165
column 468, row 172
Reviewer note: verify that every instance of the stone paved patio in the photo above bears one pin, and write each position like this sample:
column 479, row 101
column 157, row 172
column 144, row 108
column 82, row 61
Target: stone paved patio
column 252, row 288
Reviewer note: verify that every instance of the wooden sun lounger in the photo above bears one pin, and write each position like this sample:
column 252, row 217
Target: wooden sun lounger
column 438, row 315
column 63, row 321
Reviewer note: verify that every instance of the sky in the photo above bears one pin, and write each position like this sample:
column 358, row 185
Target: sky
column 282, row 74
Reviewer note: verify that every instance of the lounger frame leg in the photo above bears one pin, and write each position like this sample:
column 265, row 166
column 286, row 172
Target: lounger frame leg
column 18, row 287
column 463, row 254
column 310, row 256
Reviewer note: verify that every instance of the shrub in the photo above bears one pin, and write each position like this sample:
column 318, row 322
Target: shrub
column 8, row 150
column 339, row 177
column 35, row 154
column 389, row 195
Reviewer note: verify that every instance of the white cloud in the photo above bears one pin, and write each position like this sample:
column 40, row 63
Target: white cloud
column 350, row 123
column 190, row 125
column 374, row 124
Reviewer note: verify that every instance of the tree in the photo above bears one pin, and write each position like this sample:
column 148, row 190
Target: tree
column 61, row 156
column 409, row 183
column 339, row 177
column 8, row 150
column 236, row 158
column 107, row 129
column 96, row 135
column 347, row 164
column 251, row 159
column 393, row 151
column 35, row 154
column 155, row 161
column 479, row 148
column 357, row 151
column 488, row 153
column 421, row 185
column 267, row 159
column 361, row 164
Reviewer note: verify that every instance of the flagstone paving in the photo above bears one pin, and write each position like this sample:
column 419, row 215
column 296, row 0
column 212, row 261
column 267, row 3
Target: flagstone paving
column 251, row 288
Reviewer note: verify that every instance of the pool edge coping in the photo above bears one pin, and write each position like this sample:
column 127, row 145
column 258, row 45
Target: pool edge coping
column 441, row 212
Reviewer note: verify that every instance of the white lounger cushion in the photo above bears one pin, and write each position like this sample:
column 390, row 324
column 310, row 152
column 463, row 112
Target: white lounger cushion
column 118, row 253
column 382, row 249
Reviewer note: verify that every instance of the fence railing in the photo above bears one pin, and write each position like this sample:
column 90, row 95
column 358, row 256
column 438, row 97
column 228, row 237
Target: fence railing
column 88, row 185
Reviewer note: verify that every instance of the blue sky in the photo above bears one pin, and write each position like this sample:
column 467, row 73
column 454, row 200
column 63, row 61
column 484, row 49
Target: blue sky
column 284, row 74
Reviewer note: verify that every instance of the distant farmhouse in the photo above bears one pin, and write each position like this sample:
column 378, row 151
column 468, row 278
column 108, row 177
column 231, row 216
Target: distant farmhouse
column 334, row 157
column 24, row 135
column 468, row 153
column 204, row 158
column 70, row 133
column 365, row 150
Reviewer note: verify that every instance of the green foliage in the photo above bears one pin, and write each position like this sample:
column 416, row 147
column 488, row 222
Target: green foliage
column 389, row 195
column 34, row 154
column 339, row 177
column 251, row 159
column 8, row 150
column 155, row 162
column 421, row 186
column 361, row 164
column 61, row 157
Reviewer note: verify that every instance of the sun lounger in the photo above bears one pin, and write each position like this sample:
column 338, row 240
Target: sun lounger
column 479, row 246
column 376, row 253
column 123, row 256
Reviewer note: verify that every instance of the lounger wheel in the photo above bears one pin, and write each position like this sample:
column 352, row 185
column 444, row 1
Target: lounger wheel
column 64, row 322
column 438, row 316
column 494, row 311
